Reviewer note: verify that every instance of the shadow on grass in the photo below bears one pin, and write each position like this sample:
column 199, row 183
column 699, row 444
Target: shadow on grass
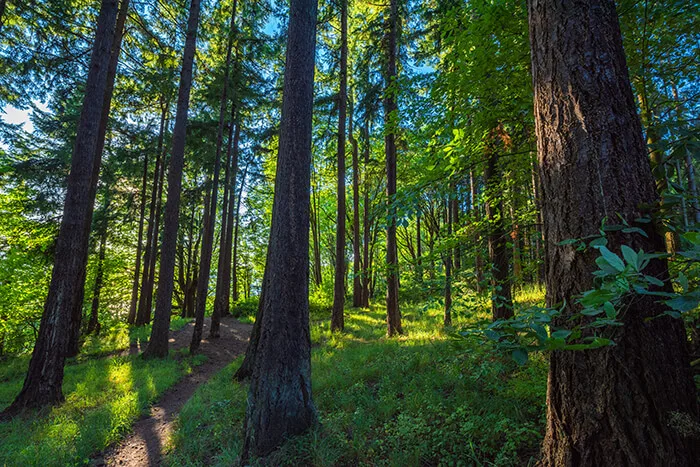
column 412, row 400
column 103, row 399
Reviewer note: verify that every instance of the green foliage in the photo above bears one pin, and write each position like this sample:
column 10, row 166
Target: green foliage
column 412, row 401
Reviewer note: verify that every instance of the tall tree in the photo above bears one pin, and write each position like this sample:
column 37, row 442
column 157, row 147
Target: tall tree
column 279, row 398
column 210, row 216
column 614, row 405
column 143, row 312
column 118, row 34
column 393, row 315
column 356, row 242
column 158, row 343
column 43, row 383
column 337, row 316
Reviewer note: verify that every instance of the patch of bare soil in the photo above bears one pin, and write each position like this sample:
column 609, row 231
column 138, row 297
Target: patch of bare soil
column 144, row 446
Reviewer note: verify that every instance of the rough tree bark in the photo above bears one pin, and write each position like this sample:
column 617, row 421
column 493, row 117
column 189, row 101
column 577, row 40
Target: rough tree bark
column 337, row 315
column 117, row 32
column 279, row 398
column 42, row 385
column 624, row 404
column 393, row 315
column 158, row 343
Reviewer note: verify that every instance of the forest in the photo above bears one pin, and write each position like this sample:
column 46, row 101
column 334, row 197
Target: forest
column 350, row 232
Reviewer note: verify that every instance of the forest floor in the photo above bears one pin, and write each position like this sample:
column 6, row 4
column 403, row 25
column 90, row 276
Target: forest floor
column 113, row 397
column 146, row 444
column 429, row 397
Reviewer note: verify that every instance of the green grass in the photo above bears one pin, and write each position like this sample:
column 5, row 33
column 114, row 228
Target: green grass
column 425, row 398
column 104, row 396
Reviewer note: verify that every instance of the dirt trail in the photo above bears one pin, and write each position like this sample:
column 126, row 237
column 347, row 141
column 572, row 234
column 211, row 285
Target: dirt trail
column 144, row 446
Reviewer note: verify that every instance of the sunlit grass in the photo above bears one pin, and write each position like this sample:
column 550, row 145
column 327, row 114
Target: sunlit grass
column 418, row 399
column 104, row 396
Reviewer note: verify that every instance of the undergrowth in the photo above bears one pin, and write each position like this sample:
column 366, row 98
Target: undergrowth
column 420, row 399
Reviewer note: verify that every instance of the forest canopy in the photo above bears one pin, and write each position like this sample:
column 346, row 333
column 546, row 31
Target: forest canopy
column 464, row 232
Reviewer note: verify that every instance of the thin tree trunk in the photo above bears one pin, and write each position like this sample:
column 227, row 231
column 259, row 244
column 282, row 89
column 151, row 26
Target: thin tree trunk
column 356, row 244
column 279, row 399
column 478, row 258
column 419, row 250
column 447, row 318
column 234, row 274
column 501, row 299
column 455, row 229
column 208, row 242
column 94, row 322
column 158, row 344
column 42, row 385
column 315, row 231
column 658, row 168
column 622, row 404
column 139, row 246
column 337, row 315
column 393, row 315
column 154, row 251
column 222, row 302
column 690, row 169
column 365, row 219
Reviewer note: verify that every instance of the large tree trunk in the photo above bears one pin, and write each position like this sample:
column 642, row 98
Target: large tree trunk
column 117, row 32
column 501, row 295
column 42, row 386
column 337, row 315
column 279, row 399
column 393, row 315
column 158, row 344
column 622, row 404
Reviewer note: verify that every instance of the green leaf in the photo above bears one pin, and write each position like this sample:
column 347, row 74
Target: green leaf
column 568, row 241
column 630, row 256
column 610, row 310
column 598, row 242
column 654, row 281
column 520, row 356
column 612, row 259
column 635, row 230
column 561, row 334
